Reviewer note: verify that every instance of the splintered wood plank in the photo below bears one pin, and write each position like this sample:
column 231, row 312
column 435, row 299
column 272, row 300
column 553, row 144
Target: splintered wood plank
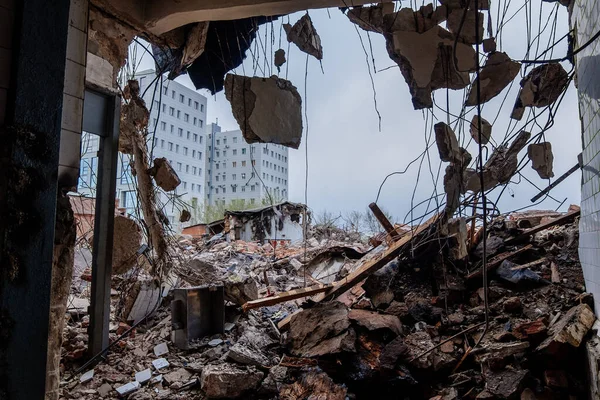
column 369, row 267
column 558, row 221
column 286, row 296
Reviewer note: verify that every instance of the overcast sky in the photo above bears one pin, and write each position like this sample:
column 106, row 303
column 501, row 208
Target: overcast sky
column 347, row 154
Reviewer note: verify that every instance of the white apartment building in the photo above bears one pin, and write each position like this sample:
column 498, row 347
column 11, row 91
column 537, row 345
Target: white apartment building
column 177, row 132
column 236, row 170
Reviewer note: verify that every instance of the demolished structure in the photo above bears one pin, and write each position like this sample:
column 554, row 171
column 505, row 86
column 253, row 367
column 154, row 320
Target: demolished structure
column 451, row 305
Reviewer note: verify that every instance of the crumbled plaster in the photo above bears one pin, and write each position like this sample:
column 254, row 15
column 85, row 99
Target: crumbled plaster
column 486, row 129
column 279, row 58
column 127, row 239
column 268, row 110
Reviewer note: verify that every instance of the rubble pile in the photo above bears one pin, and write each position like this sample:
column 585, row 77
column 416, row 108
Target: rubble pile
column 414, row 326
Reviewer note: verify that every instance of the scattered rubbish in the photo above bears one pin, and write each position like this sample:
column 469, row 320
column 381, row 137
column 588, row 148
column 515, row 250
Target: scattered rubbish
column 215, row 342
column 506, row 272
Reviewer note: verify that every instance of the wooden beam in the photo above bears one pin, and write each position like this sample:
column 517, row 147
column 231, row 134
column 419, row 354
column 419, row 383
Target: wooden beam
column 558, row 221
column 286, row 296
column 373, row 265
column 496, row 261
column 531, row 264
column 385, row 223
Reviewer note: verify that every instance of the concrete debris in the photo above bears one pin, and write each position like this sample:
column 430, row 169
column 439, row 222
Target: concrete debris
column 323, row 329
column 127, row 240
column 279, row 59
column 541, row 158
column 463, row 24
column 160, row 363
column 313, row 385
column 486, row 130
column 134, row 118
column 489, row 45
column 497, row 73
column 374, row 321
column 161, row 349
column 88, row 376
column 427, row 62
column 185, row 216
column 164, row 175
column 143, row 376
column 540, row 88
column 447, row 143
column 371, row 18
column 228, row 381
column 268, row 110
column 397, row 327
column 304, row 35
column 128, row 388
column 569, row 330
column 500, row 167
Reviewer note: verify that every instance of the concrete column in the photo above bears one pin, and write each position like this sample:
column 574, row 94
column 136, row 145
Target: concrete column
column 32, row 82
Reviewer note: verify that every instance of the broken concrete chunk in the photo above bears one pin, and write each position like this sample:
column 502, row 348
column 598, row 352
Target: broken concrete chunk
column 304, row 35
column 134, row 118
column 127, row 239
column 417, row 343
column 104, row 390
column 489, row 45
column 505, row 384
column 240, row 289
column 313, row 385
column 371, row 18
column 457, row 228
column 321, row 330
column 392, row 353
column 88, row 376
column 540, row 87
column 427, row 62
column 486, row 129
column 463, row 24
column 226, row 381
column 143, row 376
column 246, row 355
column 373, row 321
column 378, row 286
column 541, row 158
column 164, row 175
column 128, row 388
column 185, row 216
column 215, row 342
column 160, row 363
column 268, row 110
column 179, row 375
column 499, row 70
column 447, row 144
column 569, row 330
column 279, row 58
column 453, row 187
column 454, row 4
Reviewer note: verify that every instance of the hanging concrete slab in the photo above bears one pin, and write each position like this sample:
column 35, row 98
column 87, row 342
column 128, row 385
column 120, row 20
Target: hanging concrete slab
column 540, row 88
column 497, row 73
column 541, row 158
column 486, row 129
column 268, row 110
column 304, row 35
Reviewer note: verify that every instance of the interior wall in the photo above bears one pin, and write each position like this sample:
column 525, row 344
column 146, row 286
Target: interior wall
column 584, row 19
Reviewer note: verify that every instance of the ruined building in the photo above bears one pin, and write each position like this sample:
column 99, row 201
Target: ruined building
column 466, row 303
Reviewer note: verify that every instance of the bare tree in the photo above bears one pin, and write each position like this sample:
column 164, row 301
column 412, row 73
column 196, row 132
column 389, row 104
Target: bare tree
column 326, row 218
column 353, row 221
